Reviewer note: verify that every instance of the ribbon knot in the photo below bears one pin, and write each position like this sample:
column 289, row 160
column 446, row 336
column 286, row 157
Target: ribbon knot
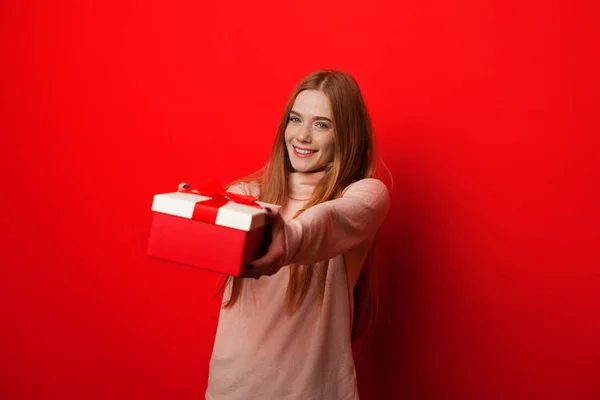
column 207, row 210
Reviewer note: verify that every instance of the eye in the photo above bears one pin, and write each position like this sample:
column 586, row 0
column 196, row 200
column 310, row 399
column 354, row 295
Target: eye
column 294, row 119
column 322, row 125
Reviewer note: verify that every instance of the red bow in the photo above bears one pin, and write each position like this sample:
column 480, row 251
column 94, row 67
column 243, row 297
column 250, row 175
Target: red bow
column 207, row 210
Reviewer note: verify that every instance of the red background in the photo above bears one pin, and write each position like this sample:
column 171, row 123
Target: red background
column 485, row 112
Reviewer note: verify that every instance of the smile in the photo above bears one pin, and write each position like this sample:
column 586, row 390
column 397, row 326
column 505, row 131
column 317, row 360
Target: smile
column 303, row 152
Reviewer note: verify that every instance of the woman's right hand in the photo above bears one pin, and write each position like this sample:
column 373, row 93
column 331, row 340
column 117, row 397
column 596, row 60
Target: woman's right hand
column 272, row 261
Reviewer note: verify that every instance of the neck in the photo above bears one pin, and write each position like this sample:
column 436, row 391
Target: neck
column 302, row 184
column 319, row 169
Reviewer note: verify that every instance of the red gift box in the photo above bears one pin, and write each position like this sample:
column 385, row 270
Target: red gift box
column 217, row 231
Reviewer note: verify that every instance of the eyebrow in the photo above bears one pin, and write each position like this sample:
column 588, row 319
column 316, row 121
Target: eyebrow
column 316, row 118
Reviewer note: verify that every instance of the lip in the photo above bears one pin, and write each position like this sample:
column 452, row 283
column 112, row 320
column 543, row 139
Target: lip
column 302, row 148
column 304, row 155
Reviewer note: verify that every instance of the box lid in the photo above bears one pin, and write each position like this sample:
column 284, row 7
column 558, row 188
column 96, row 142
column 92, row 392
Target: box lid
column 221, row 212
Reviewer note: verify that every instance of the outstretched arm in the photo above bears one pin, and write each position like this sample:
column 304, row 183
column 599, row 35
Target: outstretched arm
column 325, row 230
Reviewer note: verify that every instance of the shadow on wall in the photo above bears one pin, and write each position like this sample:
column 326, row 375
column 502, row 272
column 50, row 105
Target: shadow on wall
column 388, row 361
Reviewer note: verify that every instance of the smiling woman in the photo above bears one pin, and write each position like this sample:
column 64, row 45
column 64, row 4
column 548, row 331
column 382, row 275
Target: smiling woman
column 309, row 133
column 286, row 326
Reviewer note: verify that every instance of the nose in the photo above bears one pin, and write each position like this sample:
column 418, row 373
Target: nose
column 305, row 134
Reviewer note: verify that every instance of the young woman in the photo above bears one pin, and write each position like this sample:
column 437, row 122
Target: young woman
column 286, row 327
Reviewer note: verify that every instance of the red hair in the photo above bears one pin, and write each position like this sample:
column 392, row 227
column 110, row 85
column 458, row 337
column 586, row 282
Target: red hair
column 354, row 159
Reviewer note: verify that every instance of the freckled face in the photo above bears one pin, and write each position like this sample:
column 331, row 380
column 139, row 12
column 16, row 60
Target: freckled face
column 309, row 134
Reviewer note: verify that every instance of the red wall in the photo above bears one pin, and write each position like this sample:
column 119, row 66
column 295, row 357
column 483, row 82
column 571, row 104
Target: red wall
column 485, row 113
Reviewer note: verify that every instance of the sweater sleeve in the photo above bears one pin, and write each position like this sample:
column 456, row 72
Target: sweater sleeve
column 331, row 228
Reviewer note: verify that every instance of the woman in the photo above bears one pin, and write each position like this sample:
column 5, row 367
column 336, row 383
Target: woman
column 286, row 327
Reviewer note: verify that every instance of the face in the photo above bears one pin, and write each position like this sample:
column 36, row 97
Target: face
column 309, row 132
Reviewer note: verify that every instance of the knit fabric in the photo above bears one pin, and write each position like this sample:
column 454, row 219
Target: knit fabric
column 261, row 351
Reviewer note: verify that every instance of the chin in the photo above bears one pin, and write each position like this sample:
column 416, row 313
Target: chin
column 298, row 168
column 307, row 168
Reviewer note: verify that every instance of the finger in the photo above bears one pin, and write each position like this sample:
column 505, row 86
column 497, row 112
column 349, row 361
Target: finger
column 258, row 273
column 274, row 222
column 183, row 185
column 266, row 261
column 273, row 213
column 251, row 273
column 259, row 267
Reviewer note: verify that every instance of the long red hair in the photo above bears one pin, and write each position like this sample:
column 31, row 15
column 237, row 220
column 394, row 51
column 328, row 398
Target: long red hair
column 354, row 159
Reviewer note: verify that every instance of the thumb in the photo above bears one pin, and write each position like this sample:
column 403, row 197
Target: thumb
column 273, row 214
column 264, row 261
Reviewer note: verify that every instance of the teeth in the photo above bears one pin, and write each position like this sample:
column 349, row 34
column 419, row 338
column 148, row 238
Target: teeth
column 304, row 151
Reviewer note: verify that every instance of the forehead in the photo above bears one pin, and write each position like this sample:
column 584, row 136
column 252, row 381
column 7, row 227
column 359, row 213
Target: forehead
column 312, row 103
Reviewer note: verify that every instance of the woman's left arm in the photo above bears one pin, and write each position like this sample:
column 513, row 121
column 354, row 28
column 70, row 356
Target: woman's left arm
column 326, row 230
column 331, row 228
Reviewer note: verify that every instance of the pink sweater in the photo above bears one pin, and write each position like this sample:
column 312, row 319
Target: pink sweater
column 260, row 351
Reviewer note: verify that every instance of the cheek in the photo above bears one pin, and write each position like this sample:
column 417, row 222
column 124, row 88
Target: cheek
column 289, row 133
column 329, row 145
column 330, row 150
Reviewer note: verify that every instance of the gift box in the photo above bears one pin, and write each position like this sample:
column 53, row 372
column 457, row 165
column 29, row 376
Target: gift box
column 208, row 229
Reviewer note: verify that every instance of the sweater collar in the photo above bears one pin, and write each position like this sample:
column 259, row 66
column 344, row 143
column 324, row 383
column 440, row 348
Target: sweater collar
column 302, row 184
